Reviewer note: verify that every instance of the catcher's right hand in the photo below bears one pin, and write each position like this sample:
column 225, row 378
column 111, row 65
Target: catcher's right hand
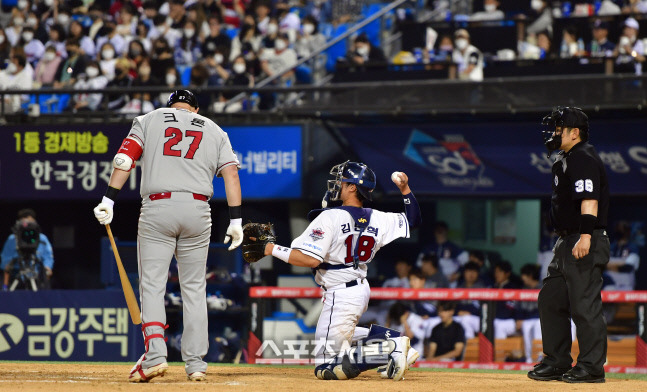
column 255, row 237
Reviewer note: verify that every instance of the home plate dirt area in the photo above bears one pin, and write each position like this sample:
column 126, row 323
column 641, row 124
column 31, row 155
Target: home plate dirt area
column 99, row 377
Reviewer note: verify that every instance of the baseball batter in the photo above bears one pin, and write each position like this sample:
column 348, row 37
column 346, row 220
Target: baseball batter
column 338, row 244
column 180, row 152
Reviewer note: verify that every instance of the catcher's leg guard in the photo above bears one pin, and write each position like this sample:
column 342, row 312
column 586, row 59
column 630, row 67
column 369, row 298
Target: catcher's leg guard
column 356, row 360
column 337, row 370
column 377, row 332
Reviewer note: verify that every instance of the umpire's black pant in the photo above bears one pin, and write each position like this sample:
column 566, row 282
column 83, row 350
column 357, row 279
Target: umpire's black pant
column 572, row 290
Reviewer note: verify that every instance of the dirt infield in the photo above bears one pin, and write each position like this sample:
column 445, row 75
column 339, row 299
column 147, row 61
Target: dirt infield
column 110, row 377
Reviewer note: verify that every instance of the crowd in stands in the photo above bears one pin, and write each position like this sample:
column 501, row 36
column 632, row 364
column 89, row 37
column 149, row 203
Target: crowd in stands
column 537, row 34
column 129, row 43
column 445, row 264
column 53, row 44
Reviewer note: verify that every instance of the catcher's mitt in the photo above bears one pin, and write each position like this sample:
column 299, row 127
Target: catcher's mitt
column 255, row 237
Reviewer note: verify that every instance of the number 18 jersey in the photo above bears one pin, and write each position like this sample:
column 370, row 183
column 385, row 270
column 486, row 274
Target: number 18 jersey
column 182, row 151
column 332, row 239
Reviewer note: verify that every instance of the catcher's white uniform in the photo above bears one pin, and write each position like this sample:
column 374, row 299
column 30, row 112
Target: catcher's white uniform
column 333, row 238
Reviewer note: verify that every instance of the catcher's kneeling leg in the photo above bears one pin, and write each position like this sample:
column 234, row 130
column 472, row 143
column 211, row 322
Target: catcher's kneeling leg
column 358, row 359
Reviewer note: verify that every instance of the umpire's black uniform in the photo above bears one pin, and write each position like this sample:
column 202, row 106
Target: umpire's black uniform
column 572, row 287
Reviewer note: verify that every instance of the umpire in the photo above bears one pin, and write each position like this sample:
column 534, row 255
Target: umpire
column 578, row 212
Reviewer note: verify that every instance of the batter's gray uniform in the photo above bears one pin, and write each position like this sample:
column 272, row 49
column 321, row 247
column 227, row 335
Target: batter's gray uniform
column 182, row 151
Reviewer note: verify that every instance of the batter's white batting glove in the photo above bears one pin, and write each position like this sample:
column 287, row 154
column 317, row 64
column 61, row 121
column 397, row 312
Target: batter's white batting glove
column 234, row 233
column 104, row 213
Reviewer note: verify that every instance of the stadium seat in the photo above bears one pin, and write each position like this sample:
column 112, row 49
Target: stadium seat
column 508, row 347
column 327, row 30
column 337, row 50
column 50, row 103
column 471, row 350
column 303, row 74
column 185, row 74
column 372, row 30
column 621, row 352
column 232, row 32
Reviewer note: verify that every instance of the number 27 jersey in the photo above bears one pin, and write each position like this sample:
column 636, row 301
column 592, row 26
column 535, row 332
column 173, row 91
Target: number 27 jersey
column 182, row 151
column 332, row 239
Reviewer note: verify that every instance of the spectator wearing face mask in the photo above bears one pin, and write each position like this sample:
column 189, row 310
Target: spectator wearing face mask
column 18, row 75
column 62, row 17
column 630, row 49
column 289, row 22
column 467, row 57
column 92, row 79
column 321, row 10
column 363, row 53
column 87, row 45
column 16, row 24
column 279, row 59
column 150, row 11
column 188, row 50
column 142, row 102
column 32, row 20
column 262, row 12
column 110, row 35
column 171, row 81
column 122, row 79
column 252, row 61
column 142, row 35
column 46, row 68
column 106, row 58
column 22, row 5
column 70, row 69
column 445, row 48
column 635, row 7
column 177, row 13
column 216, row 40
column 544, row 21
column 217, row 65
column 271, row 34
column 162, row 28
column 238, row 76
column 490, row 11
column 161, row 58
column 95, row 12
column 57, row 37
column 136, row 52
column 34, row 49
column 310, row 39
column 127, row 21
column 249, row 34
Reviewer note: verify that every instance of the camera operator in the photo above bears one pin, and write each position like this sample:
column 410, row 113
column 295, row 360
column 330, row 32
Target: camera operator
column 27, row 253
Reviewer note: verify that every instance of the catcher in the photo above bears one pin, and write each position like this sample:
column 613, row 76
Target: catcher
column 338, row 245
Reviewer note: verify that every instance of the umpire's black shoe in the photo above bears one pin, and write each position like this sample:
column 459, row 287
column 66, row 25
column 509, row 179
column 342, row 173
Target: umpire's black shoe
column 543, row 372
column 579, row 375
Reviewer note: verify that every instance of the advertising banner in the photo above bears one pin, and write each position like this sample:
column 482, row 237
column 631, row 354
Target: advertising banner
column 492, row 158
column 73, row 162
column 70, row 325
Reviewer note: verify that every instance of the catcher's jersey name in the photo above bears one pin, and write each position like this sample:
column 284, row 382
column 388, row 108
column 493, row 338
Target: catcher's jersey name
column 333, row 238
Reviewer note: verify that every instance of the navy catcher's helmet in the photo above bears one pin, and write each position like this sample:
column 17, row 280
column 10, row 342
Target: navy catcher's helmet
column 185, row 96
column 355, row 173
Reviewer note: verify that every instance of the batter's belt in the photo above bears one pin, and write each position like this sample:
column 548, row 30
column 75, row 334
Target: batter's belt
column 167, row 195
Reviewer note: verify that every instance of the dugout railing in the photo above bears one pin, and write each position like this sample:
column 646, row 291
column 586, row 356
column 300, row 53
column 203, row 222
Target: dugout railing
column 261, row 307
